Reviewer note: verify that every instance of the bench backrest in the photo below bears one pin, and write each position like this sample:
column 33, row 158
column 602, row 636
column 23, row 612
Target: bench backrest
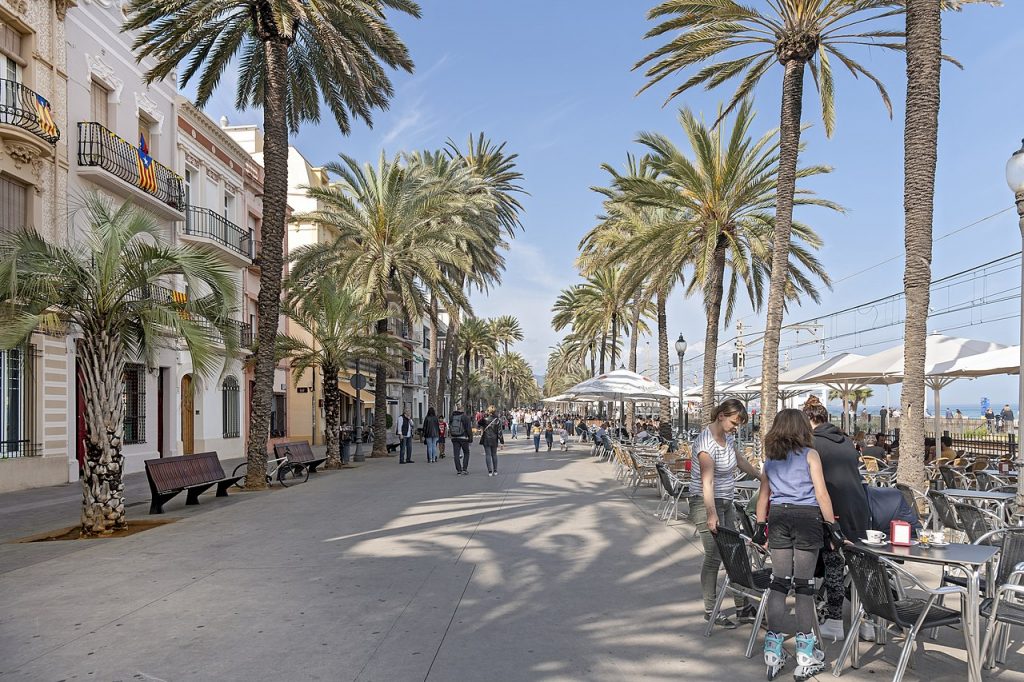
column 174, row 473
column 297, row 452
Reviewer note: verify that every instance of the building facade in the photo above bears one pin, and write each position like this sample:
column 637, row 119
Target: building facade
column 34, row 391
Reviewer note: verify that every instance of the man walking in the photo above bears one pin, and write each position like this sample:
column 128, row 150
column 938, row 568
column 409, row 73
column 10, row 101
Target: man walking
column 460, row 431
column 514, row 423
column 1007, row 415
column 404, row 433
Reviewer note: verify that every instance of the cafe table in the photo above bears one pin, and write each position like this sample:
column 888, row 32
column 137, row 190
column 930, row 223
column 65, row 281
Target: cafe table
column 970, row 559
column 746, row 489
column 1000, row 499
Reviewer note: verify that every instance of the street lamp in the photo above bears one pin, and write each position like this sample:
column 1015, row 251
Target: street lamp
column 1015, row 179
column 681, row 351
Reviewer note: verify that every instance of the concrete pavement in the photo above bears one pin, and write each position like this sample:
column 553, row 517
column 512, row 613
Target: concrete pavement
column 384, row 572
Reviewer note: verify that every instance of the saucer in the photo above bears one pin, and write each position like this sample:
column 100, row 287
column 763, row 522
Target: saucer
column 938, row 544
column 874, row 544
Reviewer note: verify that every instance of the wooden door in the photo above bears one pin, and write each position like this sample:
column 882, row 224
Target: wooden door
column 188, row 435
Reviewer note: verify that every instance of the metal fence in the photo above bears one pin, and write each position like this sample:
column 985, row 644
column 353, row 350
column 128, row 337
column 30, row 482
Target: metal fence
column 24, row 108
column 204, row 222
column 101, row 148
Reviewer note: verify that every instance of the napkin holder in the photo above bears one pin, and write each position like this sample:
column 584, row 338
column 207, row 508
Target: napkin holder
column 899, row 533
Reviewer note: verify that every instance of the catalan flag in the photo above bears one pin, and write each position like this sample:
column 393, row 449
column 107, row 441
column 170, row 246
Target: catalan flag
column 146, row 167
column 43, row 113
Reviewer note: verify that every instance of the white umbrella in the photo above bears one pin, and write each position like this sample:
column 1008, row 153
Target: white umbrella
column 561, row 398
column 1002, row 361
column 620, row 384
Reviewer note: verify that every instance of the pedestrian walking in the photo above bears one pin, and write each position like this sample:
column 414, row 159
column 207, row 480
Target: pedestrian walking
column 431, row 432
column 460, row 430
column 714, row 461
column 514, row 425
column 794, row 485
column 404, row 431
column 491, row 438
column 549, row 435
column 1007, row 417
column 536, row 436
column 442, row 428
column 563, row 439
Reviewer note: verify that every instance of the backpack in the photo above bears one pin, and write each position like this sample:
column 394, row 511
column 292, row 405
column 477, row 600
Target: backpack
column 457, row 427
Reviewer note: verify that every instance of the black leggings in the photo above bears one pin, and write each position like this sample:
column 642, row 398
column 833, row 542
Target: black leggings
column 797, row 564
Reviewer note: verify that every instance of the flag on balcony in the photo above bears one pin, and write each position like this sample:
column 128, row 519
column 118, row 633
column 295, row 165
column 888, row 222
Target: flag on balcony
column 146, row 166
column 43, row 113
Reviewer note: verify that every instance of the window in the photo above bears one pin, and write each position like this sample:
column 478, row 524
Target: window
column 100, row 104
column 10, row 53
column 134, row 404
column 190, row 176
column 229, row 206
column 11, row 389
column 278, row 416
column 230, row 401
column 14, row 203
column 146, row 125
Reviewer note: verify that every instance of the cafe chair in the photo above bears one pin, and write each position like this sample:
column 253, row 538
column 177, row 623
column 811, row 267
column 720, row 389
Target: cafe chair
column 976, row 521
column 1006, row 607
column 874, row 578
column 917, row 500
column 943, row 513
column 741, row 578
column 672, row 488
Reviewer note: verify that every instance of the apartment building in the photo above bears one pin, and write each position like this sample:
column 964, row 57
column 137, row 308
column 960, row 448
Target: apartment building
column 34, row 390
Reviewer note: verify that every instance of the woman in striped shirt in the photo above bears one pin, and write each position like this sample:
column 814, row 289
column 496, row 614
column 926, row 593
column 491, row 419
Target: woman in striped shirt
column 714, row 461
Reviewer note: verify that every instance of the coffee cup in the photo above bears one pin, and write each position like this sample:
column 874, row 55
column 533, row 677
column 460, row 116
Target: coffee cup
column 938, row 537
column 875, row 536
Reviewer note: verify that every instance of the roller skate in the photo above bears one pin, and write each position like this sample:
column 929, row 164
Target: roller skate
column 810, row 660
column 774, row 655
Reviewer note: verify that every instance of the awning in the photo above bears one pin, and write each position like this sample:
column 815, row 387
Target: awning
column 365, row 395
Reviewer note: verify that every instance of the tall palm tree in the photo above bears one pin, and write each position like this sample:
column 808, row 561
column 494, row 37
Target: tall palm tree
column 721, row 219
column 476, row 340
column 506, row 330
column 395, row 235
column 107, row 291
column 290, row 56
column 798, row 35
column 337, row 324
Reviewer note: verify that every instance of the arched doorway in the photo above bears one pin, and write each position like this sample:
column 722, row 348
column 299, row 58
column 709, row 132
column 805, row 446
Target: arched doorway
column 188, row 430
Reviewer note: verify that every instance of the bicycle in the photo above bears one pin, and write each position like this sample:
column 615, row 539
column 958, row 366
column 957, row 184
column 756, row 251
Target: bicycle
column 277, row 467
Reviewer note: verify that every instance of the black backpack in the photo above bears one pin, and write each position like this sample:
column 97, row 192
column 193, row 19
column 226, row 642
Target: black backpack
column 457, row 429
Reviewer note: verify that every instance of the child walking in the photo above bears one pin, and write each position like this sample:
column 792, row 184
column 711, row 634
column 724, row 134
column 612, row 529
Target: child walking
column 795, row 487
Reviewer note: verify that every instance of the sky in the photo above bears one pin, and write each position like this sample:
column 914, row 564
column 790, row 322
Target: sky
column 553, row 80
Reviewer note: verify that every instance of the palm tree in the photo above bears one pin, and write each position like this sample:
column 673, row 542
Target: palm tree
column 336, row 323
column 795, row 34
column 290, row 56
column 506, row 330
column 855, row 396
column 395, row 236
column 476, row 339
column 720, row 219
column 107, row 290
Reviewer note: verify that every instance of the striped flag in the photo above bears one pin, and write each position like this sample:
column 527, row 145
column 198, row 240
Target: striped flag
column 39, row 104
column 146, row 167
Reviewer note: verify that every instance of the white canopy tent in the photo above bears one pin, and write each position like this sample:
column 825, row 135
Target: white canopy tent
column 620, row 384
column 886, row 367
column 1001, row 361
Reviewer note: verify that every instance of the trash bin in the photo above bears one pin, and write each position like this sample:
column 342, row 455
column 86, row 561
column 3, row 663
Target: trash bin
column 346, row 451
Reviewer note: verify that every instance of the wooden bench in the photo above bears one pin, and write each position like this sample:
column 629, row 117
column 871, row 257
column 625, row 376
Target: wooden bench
column 298, row 452
column 197, row 473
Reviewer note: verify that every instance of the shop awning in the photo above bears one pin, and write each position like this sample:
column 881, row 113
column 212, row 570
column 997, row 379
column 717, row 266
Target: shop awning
column 365, row 395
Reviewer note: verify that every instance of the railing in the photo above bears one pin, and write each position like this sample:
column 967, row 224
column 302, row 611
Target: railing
column 26, row 109
column 10, row 449
column 157, row 292
column 101, row 148
column 203, row 222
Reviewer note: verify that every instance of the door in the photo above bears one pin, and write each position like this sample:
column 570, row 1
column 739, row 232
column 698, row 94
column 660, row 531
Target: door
column 188, row 434
column 160, row 412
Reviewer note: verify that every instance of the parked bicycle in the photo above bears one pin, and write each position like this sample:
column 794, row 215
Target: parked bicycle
column 277, row 468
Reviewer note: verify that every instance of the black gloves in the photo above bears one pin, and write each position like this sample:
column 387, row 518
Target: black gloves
column 760, row 534
column 836, row 534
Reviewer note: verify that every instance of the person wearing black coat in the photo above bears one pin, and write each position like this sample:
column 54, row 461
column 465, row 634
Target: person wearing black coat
column 840, row 465
column 431, row 432
column 491, row 429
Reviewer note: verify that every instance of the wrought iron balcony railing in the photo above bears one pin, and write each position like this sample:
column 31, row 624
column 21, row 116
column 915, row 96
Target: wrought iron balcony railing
column 99, row 147
column 28, row 110
column 204, row 222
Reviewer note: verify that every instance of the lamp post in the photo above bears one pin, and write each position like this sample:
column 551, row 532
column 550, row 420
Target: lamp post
column 681, row 351
column 1015, row 179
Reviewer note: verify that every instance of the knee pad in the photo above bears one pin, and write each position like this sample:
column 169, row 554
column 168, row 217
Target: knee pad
column 781, row 584
column 804, row 586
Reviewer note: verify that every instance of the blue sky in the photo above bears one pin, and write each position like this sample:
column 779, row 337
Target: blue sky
column 553, row 79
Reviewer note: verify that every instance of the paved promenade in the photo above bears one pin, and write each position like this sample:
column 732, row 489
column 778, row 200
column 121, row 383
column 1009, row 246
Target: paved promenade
column 382, row 572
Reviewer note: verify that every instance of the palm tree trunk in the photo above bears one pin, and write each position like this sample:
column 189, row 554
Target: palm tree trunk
column 465, row 381
column 380, row 402
column 713, row 310
column 432, row 398
column 789, row 149
column 633, row 341
column 102, row 486
column 665, row 404
column 332, row 423
column 270, row 259
column 593, row 360
column 920, row 141
column 446, row 380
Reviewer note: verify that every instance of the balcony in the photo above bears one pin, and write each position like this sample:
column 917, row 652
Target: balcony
column 21, row 107
column 161, row 293
column 118, row 165
column 207, row 225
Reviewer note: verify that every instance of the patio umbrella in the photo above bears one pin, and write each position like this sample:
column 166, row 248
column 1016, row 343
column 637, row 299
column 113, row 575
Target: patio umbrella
column 1001, row 361
column 620, row 384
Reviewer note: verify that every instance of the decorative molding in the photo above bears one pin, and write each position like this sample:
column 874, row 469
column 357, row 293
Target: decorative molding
column 106, row 75
column 19, row 6
column 62, row 7
column 192, row 159
column 23, row 154
column 145, row 104
column 213, row 175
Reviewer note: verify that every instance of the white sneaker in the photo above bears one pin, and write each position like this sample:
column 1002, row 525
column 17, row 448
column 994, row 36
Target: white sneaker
column 832, row 628
column 867, row 632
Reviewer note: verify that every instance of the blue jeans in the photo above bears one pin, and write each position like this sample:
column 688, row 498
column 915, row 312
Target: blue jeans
column 515, row 429
column 431, row 449
column 536, row 443
column 404, row 450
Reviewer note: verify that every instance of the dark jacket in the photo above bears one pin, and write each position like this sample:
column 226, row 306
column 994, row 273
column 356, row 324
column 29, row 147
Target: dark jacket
column 431, row 427
column 467, row 424
column 887, row 505
column 840, row 465
column 491, row 431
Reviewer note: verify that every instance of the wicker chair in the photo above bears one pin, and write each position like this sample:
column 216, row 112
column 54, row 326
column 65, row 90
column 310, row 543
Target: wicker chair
column 1005, row 608
column 873, row 577
column 740, row 578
